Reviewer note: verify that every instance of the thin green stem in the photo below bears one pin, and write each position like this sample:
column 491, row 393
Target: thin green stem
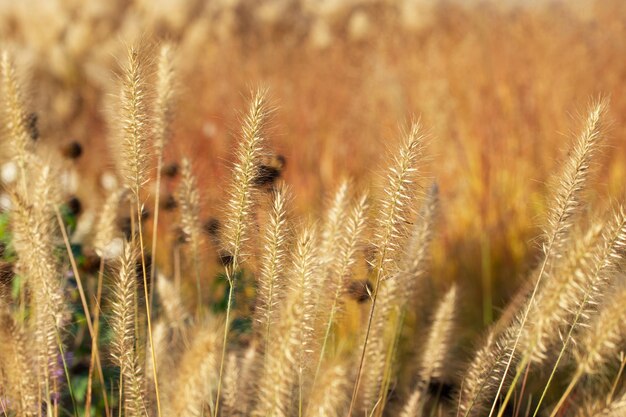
column 145, row 289
column 520, row 370
column 388, row 362
column 485, row 249
column 521, row 328
column 617, row 378
column 198, row 287
column 67, row 373
column 121, row 398
column 230, row 278
column 370, row 319
column 94, row 342
column 300, row 391
column 83, row 298
column 567, row 392
column 556, row 365
column 155, row 225
column 329, row 325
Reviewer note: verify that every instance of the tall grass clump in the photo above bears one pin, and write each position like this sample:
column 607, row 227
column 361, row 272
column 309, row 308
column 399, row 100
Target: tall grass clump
column 333, row 312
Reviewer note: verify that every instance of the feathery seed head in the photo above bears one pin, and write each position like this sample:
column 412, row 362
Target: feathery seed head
column 135, row 155
column 241, row 201
column 396, row 203
column 123, row 307
column 275, row 236
column 573, row 179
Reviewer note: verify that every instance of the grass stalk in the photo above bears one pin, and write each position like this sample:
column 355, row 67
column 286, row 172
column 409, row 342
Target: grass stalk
column 230, row 280
column 370, row 320
column 520, row 369
column 617, row 378
column 519, row 332
column 568, row 391
column 556, row 364
column 83, row 298
column 94, row 342
column 148, row 310
column 155, row 225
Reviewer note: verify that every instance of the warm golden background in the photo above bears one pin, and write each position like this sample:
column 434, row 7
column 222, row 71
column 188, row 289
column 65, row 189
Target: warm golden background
column 498, row 86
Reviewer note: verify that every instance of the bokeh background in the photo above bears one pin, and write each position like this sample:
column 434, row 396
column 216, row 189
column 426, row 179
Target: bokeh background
column 498, row 85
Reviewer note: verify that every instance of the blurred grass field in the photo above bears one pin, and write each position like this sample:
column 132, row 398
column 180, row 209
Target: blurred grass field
column 497, row 86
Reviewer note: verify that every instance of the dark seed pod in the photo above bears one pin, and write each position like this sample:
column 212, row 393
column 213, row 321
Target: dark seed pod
column 74, row 206
column 125, row 225
column 269, row 171
column 6, row 275
column 91, row 262
column 441, row 389
column 81, row 367
column 72, row 150
column 31, row 125
column 359, row 290
column 169, row 203
column 225, row 258
column 180, row 237
column 145, row 214
column 392, row 396
column 139, row 271
column 171, row 170
column 266, row 175
column 212, row 227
